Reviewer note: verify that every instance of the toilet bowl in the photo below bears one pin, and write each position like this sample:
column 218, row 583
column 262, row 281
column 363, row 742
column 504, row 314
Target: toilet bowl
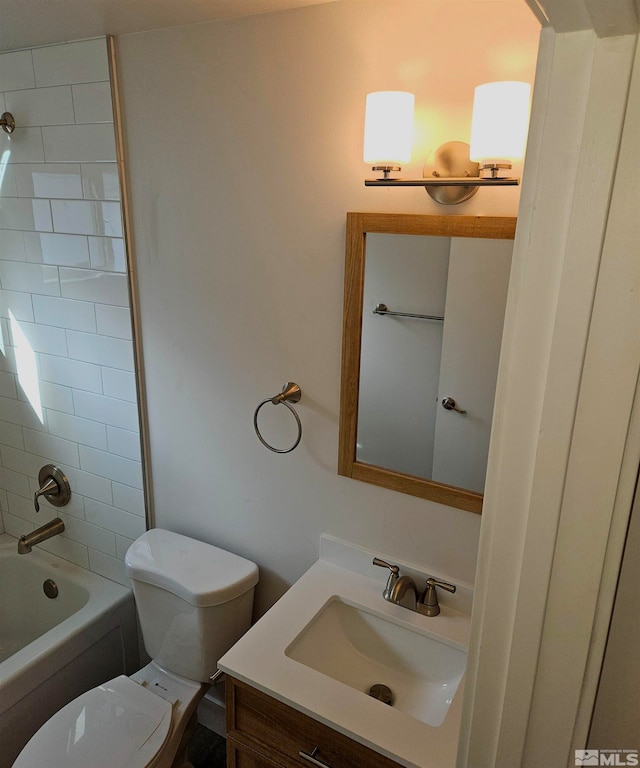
column 194, row 601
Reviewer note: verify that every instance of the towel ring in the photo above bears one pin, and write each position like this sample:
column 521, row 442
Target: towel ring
column 291, row 393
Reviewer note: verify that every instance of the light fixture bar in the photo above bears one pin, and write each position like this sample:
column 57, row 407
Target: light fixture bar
column 449, row 181
column 451, row 178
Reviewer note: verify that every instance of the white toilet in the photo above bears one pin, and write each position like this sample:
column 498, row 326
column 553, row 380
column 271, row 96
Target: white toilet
column 194, row 601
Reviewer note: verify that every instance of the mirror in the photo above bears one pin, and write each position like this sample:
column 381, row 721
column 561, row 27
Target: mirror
column 422, row 327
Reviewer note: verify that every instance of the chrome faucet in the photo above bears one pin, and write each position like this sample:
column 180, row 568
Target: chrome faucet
column 402, row 590
column 46, row 531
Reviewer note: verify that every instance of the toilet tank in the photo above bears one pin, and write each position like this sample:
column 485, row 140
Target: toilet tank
column 194, row 600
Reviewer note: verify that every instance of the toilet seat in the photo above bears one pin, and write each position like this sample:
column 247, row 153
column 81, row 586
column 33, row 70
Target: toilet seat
column 119, row 724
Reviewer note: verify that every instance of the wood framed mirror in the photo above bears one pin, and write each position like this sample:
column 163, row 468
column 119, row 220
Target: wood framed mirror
column 455, row 309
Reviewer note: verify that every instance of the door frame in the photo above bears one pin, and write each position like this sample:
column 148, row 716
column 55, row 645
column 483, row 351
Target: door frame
column 565, row 448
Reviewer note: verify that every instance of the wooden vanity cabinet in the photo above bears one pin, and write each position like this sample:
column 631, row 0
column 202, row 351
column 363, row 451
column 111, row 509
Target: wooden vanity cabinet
column 265, row 733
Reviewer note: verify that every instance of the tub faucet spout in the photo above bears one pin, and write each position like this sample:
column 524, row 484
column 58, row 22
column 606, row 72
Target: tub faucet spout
column 43, row 533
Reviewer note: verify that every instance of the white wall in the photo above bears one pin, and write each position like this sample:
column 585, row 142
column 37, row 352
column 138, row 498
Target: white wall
column 244, row 143
column 64, row 307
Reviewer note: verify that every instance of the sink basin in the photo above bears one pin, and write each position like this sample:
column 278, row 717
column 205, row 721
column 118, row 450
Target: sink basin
column 359, row 648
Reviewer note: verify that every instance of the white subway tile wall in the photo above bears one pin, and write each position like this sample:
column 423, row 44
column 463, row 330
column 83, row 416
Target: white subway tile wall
column 67, row 381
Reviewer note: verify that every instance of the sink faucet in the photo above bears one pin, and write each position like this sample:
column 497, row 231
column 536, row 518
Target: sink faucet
column 43, row 533
column 402, row 590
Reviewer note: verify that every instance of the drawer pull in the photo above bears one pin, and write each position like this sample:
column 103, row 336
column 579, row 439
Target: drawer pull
column 312, row 758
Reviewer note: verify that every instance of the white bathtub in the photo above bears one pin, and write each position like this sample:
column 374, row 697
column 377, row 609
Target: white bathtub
column 52, row 650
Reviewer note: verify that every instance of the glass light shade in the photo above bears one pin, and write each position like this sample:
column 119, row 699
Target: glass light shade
column 500, row 121
column 388, row 127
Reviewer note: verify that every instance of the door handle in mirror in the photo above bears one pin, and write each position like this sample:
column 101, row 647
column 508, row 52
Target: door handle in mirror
column 450, row 404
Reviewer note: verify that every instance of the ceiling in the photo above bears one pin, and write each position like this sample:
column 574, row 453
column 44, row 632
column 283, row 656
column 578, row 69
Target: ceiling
column 24, row 23
column 607, row 18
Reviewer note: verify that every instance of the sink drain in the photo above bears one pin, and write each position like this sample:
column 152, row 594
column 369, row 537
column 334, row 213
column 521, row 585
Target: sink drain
column 50, row 588
column 382, row 693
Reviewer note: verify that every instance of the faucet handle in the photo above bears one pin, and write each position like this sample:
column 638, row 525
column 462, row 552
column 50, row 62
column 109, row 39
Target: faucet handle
column 49, row 489
column 54, row 486
column 429, row 604
column 431, row 582
column 384, row 564
column 393, row 575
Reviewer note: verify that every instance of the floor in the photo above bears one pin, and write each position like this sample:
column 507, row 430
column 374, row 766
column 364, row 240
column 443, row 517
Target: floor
column 207, row 749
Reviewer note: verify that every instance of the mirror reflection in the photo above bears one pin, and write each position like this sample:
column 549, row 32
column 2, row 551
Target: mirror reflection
column 439, row 342
column 424, row 312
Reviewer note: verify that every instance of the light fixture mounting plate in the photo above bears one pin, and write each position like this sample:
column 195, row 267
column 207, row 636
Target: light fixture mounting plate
column 451, row 160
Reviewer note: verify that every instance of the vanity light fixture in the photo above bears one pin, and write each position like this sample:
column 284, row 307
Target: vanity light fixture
column 498, row 136
column 388, row 130
column 499, row 125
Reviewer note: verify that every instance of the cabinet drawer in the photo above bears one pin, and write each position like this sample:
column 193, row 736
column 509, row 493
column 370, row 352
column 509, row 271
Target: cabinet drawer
column 239, row 756
column 286, row 735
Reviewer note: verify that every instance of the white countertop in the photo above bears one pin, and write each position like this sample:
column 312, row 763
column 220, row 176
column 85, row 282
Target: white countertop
column 259, row 660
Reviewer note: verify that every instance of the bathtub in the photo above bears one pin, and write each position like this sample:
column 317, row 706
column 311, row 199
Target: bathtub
column 54, row 649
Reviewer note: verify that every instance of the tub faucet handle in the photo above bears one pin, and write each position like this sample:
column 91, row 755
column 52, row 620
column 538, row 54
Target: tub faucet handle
column 54, row 486
column 50, row 488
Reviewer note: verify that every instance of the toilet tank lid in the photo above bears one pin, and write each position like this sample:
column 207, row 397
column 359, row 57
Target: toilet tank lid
column 199, row 573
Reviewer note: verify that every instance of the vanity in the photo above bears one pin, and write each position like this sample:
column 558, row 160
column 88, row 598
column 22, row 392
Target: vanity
column 264, row 733
column 298, row 682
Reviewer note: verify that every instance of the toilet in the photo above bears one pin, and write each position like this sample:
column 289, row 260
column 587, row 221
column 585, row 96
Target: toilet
column 194, row 601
